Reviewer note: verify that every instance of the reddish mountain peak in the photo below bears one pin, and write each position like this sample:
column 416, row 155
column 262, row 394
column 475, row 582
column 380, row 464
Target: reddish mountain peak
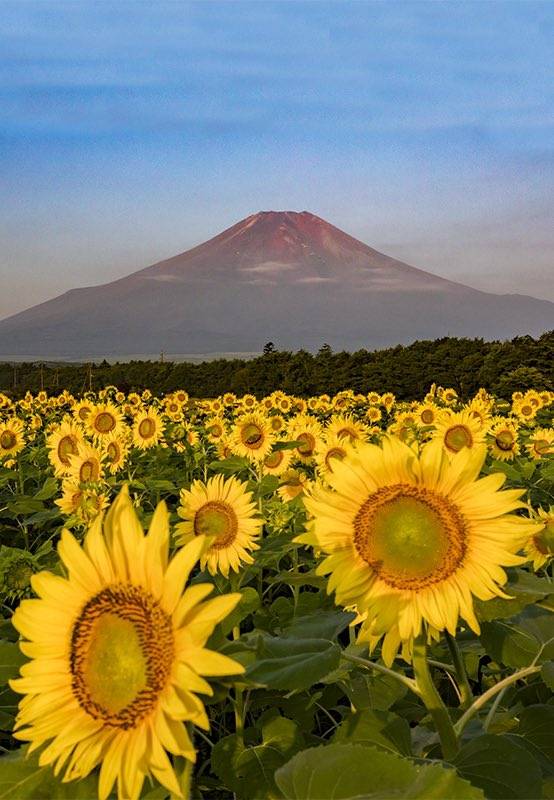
column 290, row 247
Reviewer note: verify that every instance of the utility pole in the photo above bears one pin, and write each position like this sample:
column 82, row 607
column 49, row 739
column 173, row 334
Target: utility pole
column 162, row 357
column 90, row 377
column 42, row 377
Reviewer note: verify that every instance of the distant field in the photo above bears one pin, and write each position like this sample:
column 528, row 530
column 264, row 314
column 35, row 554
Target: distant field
column 125, row 359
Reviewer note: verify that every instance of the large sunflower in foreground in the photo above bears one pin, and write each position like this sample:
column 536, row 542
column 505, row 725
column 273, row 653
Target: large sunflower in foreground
column 409, row 539
column 223, row 510
column 117, row 654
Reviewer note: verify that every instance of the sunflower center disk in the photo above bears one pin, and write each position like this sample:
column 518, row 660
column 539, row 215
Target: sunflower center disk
column 121, row 654
column 66, row 448
column 308, row 444
column 252, row 435
column 457, row 437
column 104, row 422
column 7, row 440
column 274, row 459
column 504, row 440
column 88, row 471
column 147, row 428
column 410, row 536
column 217, row 519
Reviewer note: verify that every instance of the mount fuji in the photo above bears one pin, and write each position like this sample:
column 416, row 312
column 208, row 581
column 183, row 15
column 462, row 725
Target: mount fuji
column 288, row 277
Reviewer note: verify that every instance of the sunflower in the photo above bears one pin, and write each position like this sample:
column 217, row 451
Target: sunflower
column 388, row 400
column 104, row 419
column 344, row 426
column 173, row 409
column 252, row 437
column 404, row 426
column 373, row 414
column 223, row 510
column 458, row 430
column 524, row 410
column 540, row 547
column 12, row 440
column 276, row 462
column 294, row 483
column 62, row 443
column 216, row 406
column 426, row 414
column 81, row 410
column 409, row 539
column 181, row 396
column 224, row 447
column 448, row 396
column 86, row 466
column 283, row 403
column 117, row 654
column 215, row 428
column 329, row 451
column 84, row 503
column 116, row 450
column 267, row 403
column 503, row 440
column 276, row 423
column 481, row 412
column 541, row 443
column 148, row 428
column 307, row 431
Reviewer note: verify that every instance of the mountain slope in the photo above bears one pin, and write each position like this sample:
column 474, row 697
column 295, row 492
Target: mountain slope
column 285, row 276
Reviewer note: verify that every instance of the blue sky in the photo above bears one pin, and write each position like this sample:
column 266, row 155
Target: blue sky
column 132, row 131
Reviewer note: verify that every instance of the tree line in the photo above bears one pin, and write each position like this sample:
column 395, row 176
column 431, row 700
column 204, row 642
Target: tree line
column 407, row 370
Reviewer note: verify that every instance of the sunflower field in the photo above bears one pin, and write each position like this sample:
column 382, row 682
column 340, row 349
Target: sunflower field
column 276, row 598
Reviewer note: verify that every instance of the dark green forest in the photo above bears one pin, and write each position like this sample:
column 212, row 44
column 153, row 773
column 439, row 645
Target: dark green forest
column 408, row 371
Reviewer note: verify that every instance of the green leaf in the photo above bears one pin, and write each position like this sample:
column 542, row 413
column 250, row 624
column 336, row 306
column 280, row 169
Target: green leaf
column 385, row 730
column 22, row 779
column 11, row 659
column 292, row 663
column 49, row 489
column 343, row 771
column 161, row 486
column 319, row 625
column 268, row 485
column 525, row 589
column 229, row 466
column 25, row 505
column 522, row 640
column 502, row 768
column 374, row 691
column 536, row 728
column 547, row 674
column 249, row 771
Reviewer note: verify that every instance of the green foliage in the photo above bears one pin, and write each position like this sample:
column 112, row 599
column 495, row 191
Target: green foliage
column 341, row 771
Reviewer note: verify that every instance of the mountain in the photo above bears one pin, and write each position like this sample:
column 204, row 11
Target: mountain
column 288, row 277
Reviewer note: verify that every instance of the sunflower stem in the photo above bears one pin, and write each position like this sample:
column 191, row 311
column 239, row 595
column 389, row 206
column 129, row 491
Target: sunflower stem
column 466, row 695
column 364, row 662
column 239, row 699
column 483, row 699
column 432, row 699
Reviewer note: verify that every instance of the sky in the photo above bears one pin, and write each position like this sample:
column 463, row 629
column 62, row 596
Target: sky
column 130, row 132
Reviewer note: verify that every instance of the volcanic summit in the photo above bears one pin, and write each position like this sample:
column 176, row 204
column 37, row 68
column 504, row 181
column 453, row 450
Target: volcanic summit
column 288, row 277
